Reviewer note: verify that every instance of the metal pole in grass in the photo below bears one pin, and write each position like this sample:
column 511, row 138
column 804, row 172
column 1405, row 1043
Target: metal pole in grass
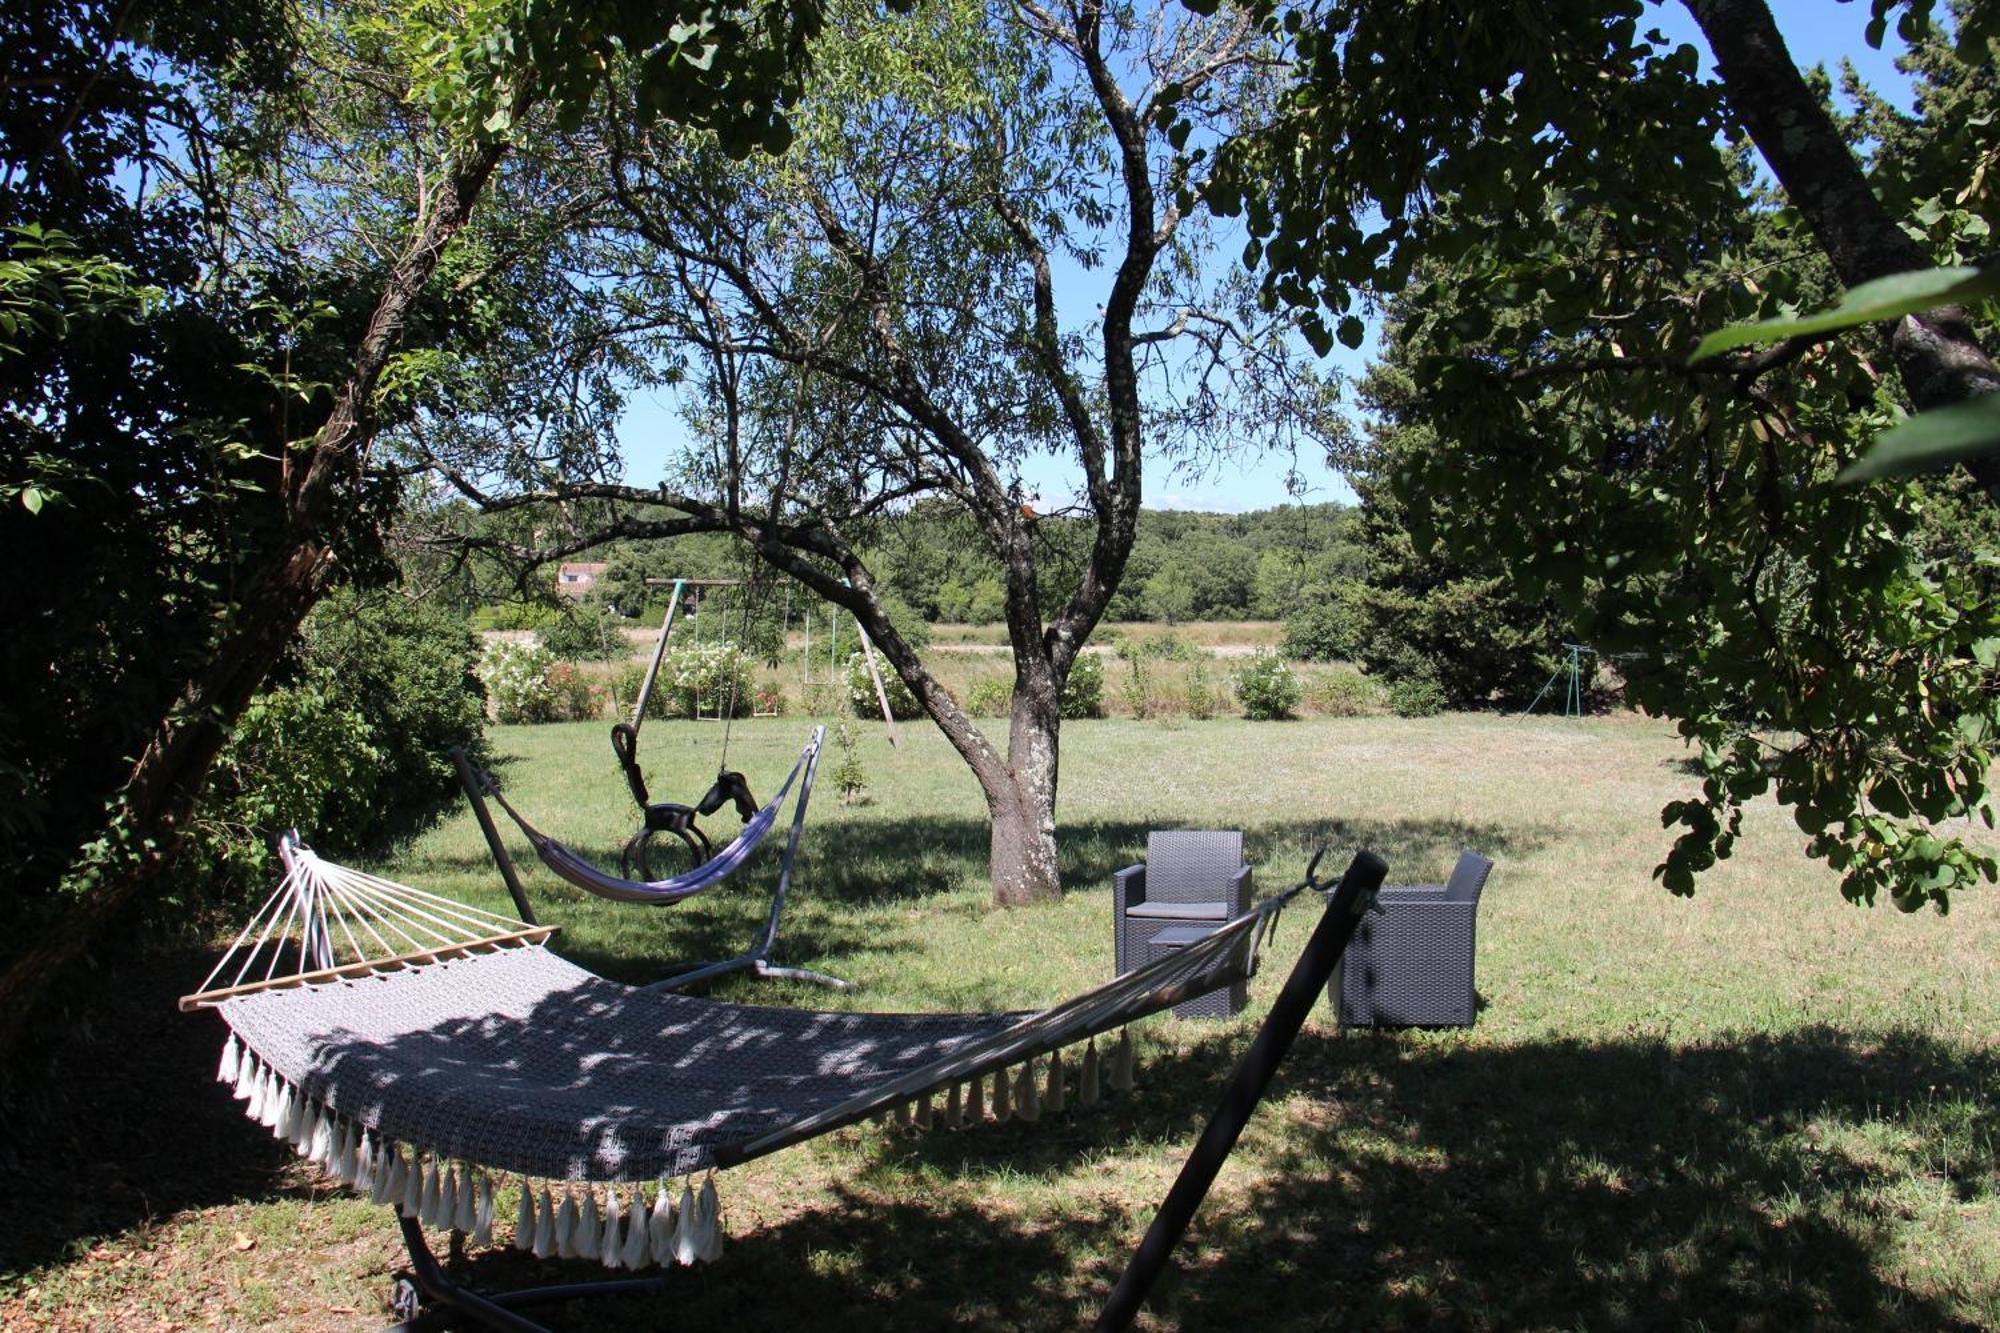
column 1351, row 897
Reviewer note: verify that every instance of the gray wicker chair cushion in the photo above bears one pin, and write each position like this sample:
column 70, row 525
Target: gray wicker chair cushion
column 1152, row 911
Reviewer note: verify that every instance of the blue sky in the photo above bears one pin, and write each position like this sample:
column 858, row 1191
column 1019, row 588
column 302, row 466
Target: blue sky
column 1818, row 32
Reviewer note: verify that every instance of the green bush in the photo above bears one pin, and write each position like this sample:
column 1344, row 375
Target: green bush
column 992, row 697
column 1267, row 687
column 982, row 604
column 1345, row 694
column 1416, row 696
column 1166, row 647
column 1202, row 701
column 529, row 685
column 987, row 603
column 1135, row 692
column 411, row 669
column 517, row 681
column 822, row 699
column 626, row 683
column 916, row 631
column 850, row 775
column 903, row 705
column 585, row 632
column 351, row 746
column 518, row 615
column 1083, row 692
column 577, row 697
column 1329, row 631
column 299, row 752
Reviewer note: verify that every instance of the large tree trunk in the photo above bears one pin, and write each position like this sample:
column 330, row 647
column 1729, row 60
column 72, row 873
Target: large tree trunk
column 1022, row 800
column 147, row 816
column 1937, row 356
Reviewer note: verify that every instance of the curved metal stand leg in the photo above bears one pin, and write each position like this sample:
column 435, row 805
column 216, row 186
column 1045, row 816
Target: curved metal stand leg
column 755, row 964
column 764, row 969
column 756, row 959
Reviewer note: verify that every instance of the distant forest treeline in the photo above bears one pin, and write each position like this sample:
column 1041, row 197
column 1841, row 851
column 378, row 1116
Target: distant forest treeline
column 1263, row 565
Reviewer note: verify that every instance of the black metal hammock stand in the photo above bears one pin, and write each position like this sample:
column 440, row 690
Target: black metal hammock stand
column 578, row 872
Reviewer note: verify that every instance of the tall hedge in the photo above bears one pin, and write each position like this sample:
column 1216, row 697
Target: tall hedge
column 350, row 744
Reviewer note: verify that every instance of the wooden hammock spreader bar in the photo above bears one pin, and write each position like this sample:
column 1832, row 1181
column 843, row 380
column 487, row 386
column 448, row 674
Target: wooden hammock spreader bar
column 531, row 935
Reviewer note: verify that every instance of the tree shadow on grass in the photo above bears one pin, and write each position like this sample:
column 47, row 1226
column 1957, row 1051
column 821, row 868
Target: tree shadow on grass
column 123, row 1122
column 856, row 1261
column 1394, row 1181
column 1758, row 1183
column 1402, row 1183
column 913, row 859
column 1427, row 1184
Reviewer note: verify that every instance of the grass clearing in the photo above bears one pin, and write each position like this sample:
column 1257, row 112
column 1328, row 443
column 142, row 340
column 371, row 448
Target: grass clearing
column 1761, row 1108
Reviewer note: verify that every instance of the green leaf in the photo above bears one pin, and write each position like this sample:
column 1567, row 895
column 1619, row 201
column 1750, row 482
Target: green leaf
column 31, row 499
column 1350, row 332
column 1892, row 297
column 1931, row 440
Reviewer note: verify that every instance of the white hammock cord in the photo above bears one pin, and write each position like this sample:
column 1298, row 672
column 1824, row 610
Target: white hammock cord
column 271, row 903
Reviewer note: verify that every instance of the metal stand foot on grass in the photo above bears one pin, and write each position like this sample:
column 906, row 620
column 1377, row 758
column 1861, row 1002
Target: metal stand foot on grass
column 429, row 1285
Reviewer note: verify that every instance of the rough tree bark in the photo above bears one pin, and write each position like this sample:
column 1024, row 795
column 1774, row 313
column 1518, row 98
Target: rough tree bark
column 147, row 816
column 1937, row 356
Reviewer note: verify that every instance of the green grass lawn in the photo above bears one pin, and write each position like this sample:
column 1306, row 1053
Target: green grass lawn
column 1762, row 1108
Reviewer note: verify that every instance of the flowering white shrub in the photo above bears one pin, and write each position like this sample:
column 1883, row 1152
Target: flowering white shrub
column 516, row 676
column 903, row 705
column 1267, row 686
column 714, row 675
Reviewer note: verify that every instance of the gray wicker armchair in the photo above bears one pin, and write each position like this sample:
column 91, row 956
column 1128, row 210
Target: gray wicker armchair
column 1190, row 877
column 1410, row 964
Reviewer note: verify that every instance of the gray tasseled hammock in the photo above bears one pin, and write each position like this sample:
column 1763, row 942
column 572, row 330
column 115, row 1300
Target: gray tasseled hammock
column 457, row 1033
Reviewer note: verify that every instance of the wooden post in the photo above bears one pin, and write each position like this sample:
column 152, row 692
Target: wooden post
column 881, row 691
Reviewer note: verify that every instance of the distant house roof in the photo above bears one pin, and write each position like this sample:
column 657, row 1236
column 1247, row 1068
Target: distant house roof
column 575, row 578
